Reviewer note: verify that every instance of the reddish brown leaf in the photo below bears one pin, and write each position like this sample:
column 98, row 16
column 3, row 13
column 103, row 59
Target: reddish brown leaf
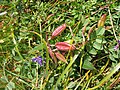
column 90, row 31
column 58, row 30
column 60, row 57
column 52, row 54
column 1, row 24
column 3, row 6
column 64, row 46
column 83, row 33
column 84, row 29
column 108, row 27
column 102, row 20
column 50, row 16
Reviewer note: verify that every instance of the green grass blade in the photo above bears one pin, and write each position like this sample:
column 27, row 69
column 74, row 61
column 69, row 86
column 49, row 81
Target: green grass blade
column 65, row 71
column 116, row 68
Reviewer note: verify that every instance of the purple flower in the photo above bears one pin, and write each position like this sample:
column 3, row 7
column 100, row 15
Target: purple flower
column 38, row 60
column 117, row 46
column 118, row 42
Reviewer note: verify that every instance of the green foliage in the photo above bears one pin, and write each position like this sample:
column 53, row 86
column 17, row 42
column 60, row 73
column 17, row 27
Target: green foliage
column 26, row 27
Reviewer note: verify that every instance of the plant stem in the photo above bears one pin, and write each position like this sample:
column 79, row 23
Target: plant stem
column 112, row 24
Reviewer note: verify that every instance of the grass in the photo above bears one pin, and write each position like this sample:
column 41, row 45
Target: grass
column 26, row 28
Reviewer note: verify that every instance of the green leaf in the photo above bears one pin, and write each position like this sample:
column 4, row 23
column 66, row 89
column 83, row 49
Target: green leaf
column 51, row 80
column 98, row 46
column 71, row 85
column 10, row 86
column 39, row 47
column 112, row 58
column 100, row 40
column 87, row 57
column 115, row 55
column 17, row 69
column 17, row 58
column 119, row 54
column 4, row 79
column 91, row 49
column 100, row 31
column 88, row 65
column 93, row 35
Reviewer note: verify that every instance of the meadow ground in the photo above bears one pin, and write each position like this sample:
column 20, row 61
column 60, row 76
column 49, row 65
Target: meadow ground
column 59, row 45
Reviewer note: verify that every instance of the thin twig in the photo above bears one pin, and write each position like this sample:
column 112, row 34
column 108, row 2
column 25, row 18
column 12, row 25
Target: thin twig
column 112, row 24
column 114, row 83
column 71, row 31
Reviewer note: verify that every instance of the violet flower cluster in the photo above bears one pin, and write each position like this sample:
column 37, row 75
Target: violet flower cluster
column 39, row 60
column 117, row 46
